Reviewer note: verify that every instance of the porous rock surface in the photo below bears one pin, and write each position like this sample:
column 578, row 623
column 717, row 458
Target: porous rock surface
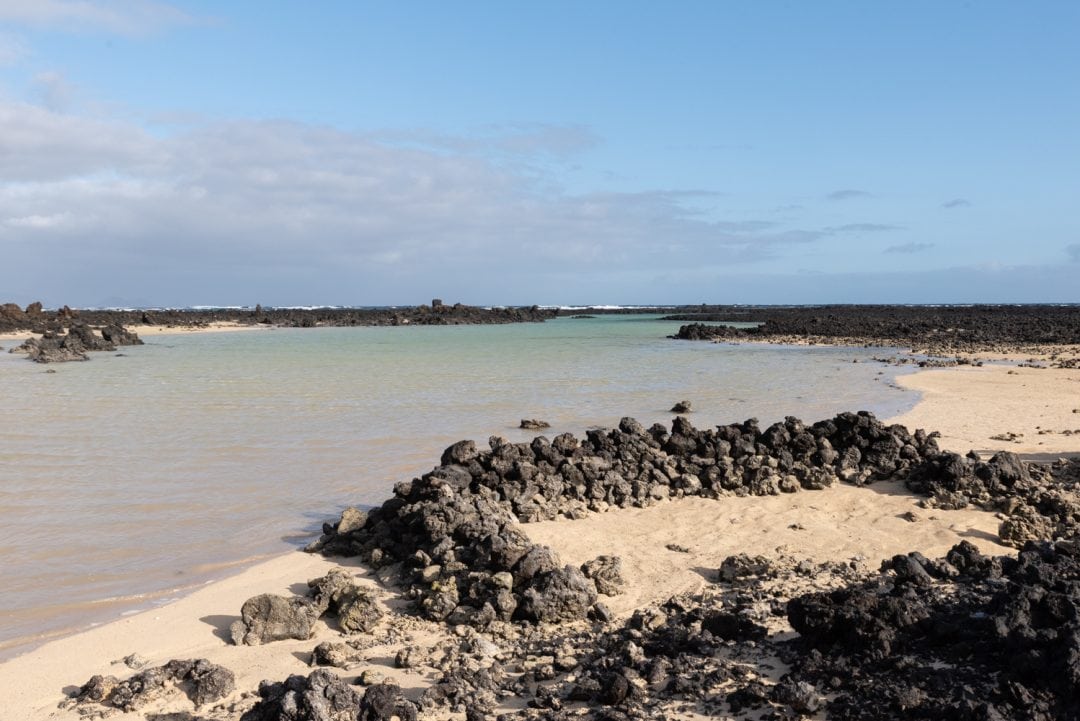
column 324, row 696
column 964, row 637
column 201, row 681
column 269, row 617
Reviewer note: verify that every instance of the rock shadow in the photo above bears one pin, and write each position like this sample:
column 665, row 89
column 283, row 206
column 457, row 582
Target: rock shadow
column 221, row 624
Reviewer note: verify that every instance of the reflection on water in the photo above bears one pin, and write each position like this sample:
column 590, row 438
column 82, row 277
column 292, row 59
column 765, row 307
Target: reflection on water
column 131, row 478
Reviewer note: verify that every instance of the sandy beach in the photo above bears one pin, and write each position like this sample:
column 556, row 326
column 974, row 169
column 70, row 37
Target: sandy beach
column 979, row 407
column 968, row 405
column 11, row 339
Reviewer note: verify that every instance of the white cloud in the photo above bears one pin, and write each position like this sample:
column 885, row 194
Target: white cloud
column 54, row 91
column 12, row 50
column 36, row 221
column 37, row 144
column 124, row 17
column 303, row 209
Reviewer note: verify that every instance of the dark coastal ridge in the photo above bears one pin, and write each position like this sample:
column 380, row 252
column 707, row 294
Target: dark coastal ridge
column 39, row 320
column 953, row 328
column 933, row 329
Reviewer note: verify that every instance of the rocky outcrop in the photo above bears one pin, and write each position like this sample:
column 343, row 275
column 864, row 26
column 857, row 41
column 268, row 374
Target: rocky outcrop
column 89, row 340
column 53, row 349
column 118, row 335
column 533, row 424
column 76, row 343
column 13, row 318
column 700, row 331
column 940, row 330
column 201, row 681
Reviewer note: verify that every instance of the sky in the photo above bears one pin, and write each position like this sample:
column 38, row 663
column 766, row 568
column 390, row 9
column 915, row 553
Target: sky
column 182, row 153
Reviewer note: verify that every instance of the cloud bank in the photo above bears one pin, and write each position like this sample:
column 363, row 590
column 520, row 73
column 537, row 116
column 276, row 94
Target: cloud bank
column 284, row 212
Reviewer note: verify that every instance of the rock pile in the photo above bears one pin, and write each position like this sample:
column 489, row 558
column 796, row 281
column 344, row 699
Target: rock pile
column 74, row 345
column 1039, row 503
column 454, row 530
column 324, row 696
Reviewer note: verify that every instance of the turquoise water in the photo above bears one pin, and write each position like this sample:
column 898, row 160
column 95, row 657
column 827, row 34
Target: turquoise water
column 126, row 480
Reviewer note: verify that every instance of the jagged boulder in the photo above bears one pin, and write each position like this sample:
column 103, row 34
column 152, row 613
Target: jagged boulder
column 606, row 573
column 53, row 349
column 557, row 596
column 269, row 617
column 118, row 335
column 321, row 696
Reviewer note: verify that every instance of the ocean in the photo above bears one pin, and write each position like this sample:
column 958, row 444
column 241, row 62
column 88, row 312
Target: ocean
column 133, row 478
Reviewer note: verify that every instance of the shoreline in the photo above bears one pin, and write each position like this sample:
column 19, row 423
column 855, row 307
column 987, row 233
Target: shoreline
column 155, row 330
column 957, row 401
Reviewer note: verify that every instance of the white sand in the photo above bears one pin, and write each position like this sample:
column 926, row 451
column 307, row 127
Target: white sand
column 839, row 523
column 11, row 339
column 968, row 405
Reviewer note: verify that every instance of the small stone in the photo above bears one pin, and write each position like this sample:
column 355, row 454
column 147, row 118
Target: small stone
column 370, row 677
column 134, row 661
column 352, row 519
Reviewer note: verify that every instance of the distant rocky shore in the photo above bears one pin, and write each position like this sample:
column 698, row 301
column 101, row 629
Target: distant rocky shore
column 68, row 334
column 34, row 318
column 935, row 330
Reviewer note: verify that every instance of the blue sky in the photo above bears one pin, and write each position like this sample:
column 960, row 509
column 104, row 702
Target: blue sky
column 559, row 152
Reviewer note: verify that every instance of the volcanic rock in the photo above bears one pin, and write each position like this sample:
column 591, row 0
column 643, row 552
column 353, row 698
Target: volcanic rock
column 269, row 617
column 606, row 573
column 203, row 682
